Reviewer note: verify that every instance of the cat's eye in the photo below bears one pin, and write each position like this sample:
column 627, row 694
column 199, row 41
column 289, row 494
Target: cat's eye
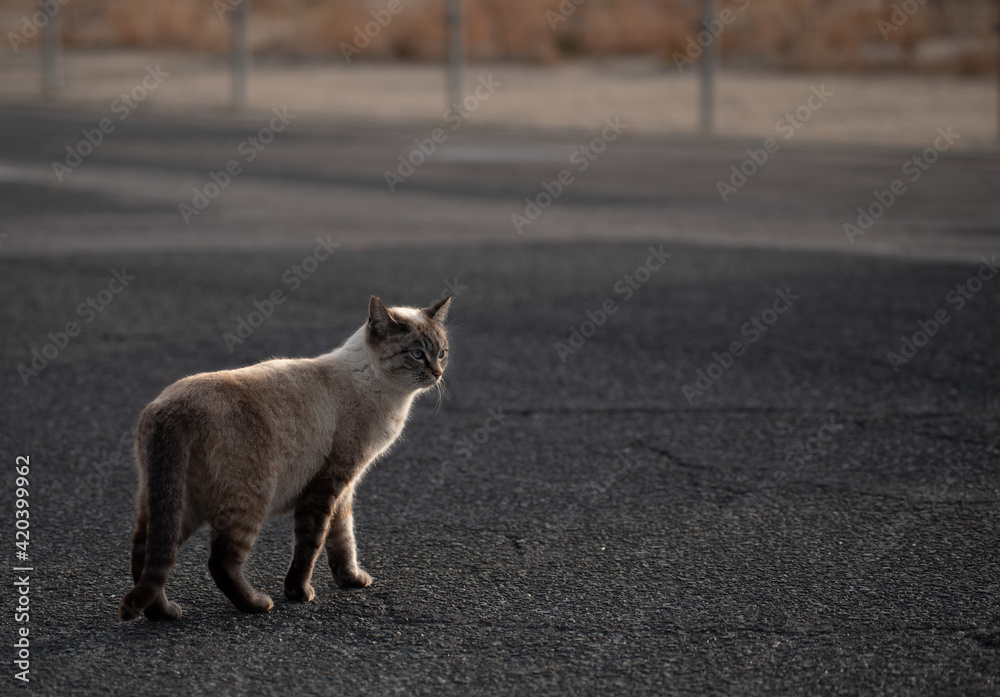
column 441, row 355
column 417, row 353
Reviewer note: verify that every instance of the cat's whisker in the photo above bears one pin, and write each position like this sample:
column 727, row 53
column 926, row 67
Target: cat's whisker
column 440, row 396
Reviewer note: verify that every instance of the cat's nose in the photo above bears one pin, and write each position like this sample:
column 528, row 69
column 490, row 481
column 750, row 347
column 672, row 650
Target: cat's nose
column 436, row 373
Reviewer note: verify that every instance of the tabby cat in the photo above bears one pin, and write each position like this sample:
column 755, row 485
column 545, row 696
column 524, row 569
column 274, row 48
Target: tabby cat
column 234, row 447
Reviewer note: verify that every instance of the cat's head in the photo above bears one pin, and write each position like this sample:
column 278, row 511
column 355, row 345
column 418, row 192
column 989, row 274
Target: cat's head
column 410, row 345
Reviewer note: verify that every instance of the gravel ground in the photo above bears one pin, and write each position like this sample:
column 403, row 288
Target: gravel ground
column 812, row 522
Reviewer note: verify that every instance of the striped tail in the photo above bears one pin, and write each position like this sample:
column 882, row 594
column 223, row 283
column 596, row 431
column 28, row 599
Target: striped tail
column 164, row 450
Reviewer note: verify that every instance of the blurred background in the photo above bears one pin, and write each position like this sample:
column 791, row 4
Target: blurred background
column 515, row 88
column 613, row 191
column 898, row 66
column 939, row 36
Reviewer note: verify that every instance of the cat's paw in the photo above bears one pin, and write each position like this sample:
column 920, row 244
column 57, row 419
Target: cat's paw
column 353, row 578
column 301, row 594
column 259, row 603
column 129, row 611
column 164, row 613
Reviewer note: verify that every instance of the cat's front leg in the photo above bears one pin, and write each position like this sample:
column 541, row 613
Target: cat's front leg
column 312, row 520
column 341, row 549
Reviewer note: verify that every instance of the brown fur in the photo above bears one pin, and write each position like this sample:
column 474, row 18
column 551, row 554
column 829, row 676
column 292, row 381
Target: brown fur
column 232, row 448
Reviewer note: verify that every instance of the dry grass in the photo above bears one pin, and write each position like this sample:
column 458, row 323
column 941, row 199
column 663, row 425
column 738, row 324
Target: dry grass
column 953, row 36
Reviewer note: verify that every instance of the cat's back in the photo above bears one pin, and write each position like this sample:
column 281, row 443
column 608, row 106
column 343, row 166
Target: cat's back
column 248, row 423
column 251, row 397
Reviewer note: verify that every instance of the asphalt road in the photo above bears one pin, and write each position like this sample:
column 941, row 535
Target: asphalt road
column 315, row 177
column 813, row 521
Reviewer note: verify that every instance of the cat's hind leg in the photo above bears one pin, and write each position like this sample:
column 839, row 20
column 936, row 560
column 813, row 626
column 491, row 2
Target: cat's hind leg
column 233, row 536
column 341, row 548
column 161, row 608
column 139, row 540
column 163, row 454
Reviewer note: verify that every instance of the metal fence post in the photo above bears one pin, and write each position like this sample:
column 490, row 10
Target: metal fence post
column 708, row 72
column 455, row 22
column 51, row 58
column 240, row 54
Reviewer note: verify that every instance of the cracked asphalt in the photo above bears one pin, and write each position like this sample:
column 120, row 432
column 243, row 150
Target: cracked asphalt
column 809, row 519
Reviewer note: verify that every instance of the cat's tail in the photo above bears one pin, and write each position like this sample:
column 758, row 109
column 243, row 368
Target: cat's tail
column 163, row 448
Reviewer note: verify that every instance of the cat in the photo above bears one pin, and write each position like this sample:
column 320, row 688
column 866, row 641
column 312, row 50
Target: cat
column 234, row 447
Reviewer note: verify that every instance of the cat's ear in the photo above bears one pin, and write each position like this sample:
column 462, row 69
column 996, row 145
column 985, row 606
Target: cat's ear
column 379, row 319
column 438, row 311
